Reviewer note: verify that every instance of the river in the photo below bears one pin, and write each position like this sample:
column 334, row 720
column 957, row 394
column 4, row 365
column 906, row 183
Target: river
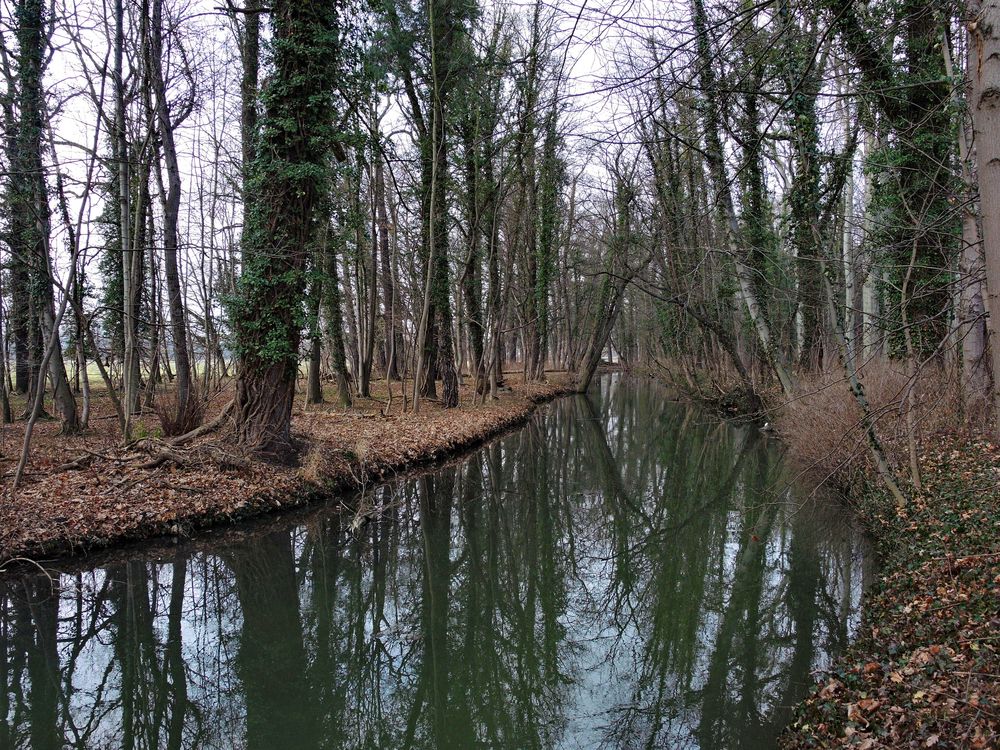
column 621, row 572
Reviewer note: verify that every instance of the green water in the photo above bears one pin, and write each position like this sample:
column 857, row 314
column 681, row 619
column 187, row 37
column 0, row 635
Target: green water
column 622, row 572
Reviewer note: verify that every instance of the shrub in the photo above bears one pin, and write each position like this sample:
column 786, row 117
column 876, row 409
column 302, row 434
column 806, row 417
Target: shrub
column 174, row 422
column 825, row 433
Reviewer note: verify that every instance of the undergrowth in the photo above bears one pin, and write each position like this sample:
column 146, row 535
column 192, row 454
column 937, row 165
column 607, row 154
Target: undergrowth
column 825, row 431
column 925, row 668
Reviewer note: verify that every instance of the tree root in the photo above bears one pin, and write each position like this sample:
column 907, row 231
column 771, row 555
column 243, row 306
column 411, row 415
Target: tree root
column 197, row 456
column 165, row 451
column 206, row 428
column 82, row 462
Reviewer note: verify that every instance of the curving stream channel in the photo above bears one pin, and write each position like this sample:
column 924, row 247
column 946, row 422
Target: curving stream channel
column 622, row 572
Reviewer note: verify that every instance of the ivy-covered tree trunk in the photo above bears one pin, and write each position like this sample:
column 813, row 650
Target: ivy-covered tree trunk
column 472, row 285
column 425, row 371
column 18, row 326
column 287, row 180
column 528, row 203
column 31, row 227
column 429, row 107
column 250, row 56
column 914, row 172
column 802, row 80
column 444, row 28
column 441, row 286
column 551, row 179
column 494, row 297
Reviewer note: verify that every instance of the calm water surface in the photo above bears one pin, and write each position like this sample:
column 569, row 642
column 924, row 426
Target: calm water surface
column 623, row 572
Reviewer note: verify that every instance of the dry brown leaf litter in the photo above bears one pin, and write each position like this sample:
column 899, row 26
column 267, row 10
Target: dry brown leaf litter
column 111, row 499
column 925, row 669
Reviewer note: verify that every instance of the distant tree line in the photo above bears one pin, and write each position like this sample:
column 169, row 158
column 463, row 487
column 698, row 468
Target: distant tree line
column 413, row 191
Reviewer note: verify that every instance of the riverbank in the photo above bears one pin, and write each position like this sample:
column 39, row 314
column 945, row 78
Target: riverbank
column 84, row 493
column 924, row 670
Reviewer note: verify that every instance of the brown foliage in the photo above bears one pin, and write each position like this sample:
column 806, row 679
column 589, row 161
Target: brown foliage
column 925, row 668
column 824, row 429
column 90, row 492
column 174, row 421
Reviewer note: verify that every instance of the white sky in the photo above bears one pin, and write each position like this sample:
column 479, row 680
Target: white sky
column 597, row 39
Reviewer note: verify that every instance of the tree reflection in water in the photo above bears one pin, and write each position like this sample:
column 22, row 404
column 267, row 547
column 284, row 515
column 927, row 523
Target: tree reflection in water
column 622, row 572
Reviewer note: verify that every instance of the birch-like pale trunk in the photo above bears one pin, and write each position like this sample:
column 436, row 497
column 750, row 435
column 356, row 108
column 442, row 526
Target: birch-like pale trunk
column 984, row 40
column 971, row 313
column 130, row 260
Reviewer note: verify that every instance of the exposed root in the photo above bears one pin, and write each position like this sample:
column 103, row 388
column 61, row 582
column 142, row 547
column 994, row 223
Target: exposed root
column 165, row 451
column 209, row 453
column 206, row 428
column 83, row 461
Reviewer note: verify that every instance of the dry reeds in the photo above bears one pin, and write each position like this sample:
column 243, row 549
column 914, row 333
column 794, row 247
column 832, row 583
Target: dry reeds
column 825, row 432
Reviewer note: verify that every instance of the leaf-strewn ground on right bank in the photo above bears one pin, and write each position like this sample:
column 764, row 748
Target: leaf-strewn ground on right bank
column 925, row 669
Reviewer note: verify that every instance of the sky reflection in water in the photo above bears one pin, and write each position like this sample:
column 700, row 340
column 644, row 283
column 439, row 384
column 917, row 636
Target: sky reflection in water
column 623, row 572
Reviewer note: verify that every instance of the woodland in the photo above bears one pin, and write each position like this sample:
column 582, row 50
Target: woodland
column 253, row 252
column 303, row 200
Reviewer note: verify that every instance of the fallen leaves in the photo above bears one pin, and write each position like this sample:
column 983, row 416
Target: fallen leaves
column 113, row 497
column 926, row 671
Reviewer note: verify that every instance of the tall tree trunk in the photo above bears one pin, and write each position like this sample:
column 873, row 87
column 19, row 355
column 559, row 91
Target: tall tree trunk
column 19, row 278
column 471, row 275
column 803, row 84
column 971, row 306
column 435, row 349
column 349, row 312
column 985, row 40
column 425, row 349
column 131, row 259
column 528, row 215
column 609, row 304
column 19, row 323
column 494, row 299
column 35, row 230
column 335, row 317
column 390, row 304
column 314, row 385
column 441, row 286
column 367, row 264
column 551, row 178
column 171, row 213
column 6, row 414
column 250, row 54
column 287, row 184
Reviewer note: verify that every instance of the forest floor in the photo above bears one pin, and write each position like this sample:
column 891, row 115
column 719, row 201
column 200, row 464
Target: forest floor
column 88, row 492
column 925, row 668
